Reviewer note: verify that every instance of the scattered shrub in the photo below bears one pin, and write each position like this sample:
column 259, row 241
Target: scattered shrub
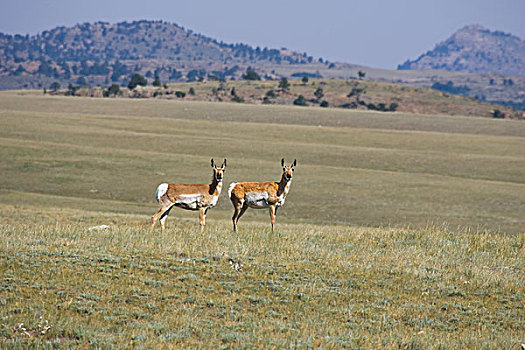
column 136, row 80
column 393, row 107
column 114, row 89
column 498, row 114
column 156, row 82
column 238, row 99
column 251, row 75
column 450, row 88
column 72, row 90
column 300, row 101
column 270, row 94
column 55, row 86
column 319, row 93
column 284, row 84
column 355, row 92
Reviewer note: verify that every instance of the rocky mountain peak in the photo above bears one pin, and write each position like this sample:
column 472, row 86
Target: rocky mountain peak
column 475, row 49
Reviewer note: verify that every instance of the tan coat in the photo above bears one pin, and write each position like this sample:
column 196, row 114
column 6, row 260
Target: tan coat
column 199, row 197
column 259, row 195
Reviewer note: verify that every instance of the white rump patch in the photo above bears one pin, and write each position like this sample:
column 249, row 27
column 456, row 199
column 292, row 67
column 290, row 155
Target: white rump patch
column 161, row 190
column 230, row 189
column 256, row 200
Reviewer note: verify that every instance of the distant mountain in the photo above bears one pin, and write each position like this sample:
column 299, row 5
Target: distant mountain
column 91, row 54
column 103, row 53
column 475, row 49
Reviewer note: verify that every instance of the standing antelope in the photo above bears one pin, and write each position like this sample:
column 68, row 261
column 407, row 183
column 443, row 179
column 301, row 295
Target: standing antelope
column 259, row 195
column 199, row 197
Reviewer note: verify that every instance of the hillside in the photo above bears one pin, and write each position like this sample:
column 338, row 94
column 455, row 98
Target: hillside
column 103, row 52
column 351, row 94
column 475, row 49
column 92, row 54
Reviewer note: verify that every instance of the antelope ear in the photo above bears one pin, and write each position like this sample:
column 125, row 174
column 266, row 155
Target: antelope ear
column 212, row 163
column 282, row 162
column 224, row 164
column 294, row 163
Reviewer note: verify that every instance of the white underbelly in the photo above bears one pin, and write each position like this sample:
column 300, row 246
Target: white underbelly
column 214, row 201
column 189, row 201
column 256, row 200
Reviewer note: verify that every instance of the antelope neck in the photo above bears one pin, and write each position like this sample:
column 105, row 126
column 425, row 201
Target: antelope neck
column 282, row 185
column 214, row 184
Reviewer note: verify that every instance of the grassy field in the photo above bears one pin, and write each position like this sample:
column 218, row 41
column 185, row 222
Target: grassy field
column 309, row 286
column 400, row 230
column 361, row 168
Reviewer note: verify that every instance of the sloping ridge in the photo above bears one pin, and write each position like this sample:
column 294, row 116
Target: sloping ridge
column 475, row 49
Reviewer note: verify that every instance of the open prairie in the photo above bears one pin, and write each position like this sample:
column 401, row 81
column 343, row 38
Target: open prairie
column 400, row 230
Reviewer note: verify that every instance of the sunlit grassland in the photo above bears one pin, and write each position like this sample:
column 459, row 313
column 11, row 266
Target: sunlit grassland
column 400, row 231
column 306, row 286
column 373, row 169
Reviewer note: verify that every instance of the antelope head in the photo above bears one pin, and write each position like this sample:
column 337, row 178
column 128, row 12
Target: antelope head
column 288, row 170
column 218, row 171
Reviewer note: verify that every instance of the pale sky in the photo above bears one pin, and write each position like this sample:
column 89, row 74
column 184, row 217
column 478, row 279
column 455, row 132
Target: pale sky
column 374, row 33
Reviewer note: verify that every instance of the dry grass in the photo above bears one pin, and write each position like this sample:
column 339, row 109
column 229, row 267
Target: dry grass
column 343, row 269
column 409, row 99
column 372, row 169
column 307, row 286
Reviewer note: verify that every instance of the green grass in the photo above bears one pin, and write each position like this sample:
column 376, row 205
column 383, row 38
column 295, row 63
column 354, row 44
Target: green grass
column 306, row 286
column 400, row 230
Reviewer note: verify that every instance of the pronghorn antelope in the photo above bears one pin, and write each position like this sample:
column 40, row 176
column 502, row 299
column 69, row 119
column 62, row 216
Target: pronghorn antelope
column 199, row 197
column 260, row 195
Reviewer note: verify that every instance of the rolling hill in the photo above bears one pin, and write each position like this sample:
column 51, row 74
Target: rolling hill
column 91, row 54
column 475, row 49
column 350, row 94
column 102, row 52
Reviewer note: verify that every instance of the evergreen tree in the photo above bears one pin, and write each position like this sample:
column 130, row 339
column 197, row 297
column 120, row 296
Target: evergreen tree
column 157, row 82
column 114, row 89
column 251, row 75
column 498, row 114
column 284, row 84
column 137, row 79
column 300, row 101
column 319, row 93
